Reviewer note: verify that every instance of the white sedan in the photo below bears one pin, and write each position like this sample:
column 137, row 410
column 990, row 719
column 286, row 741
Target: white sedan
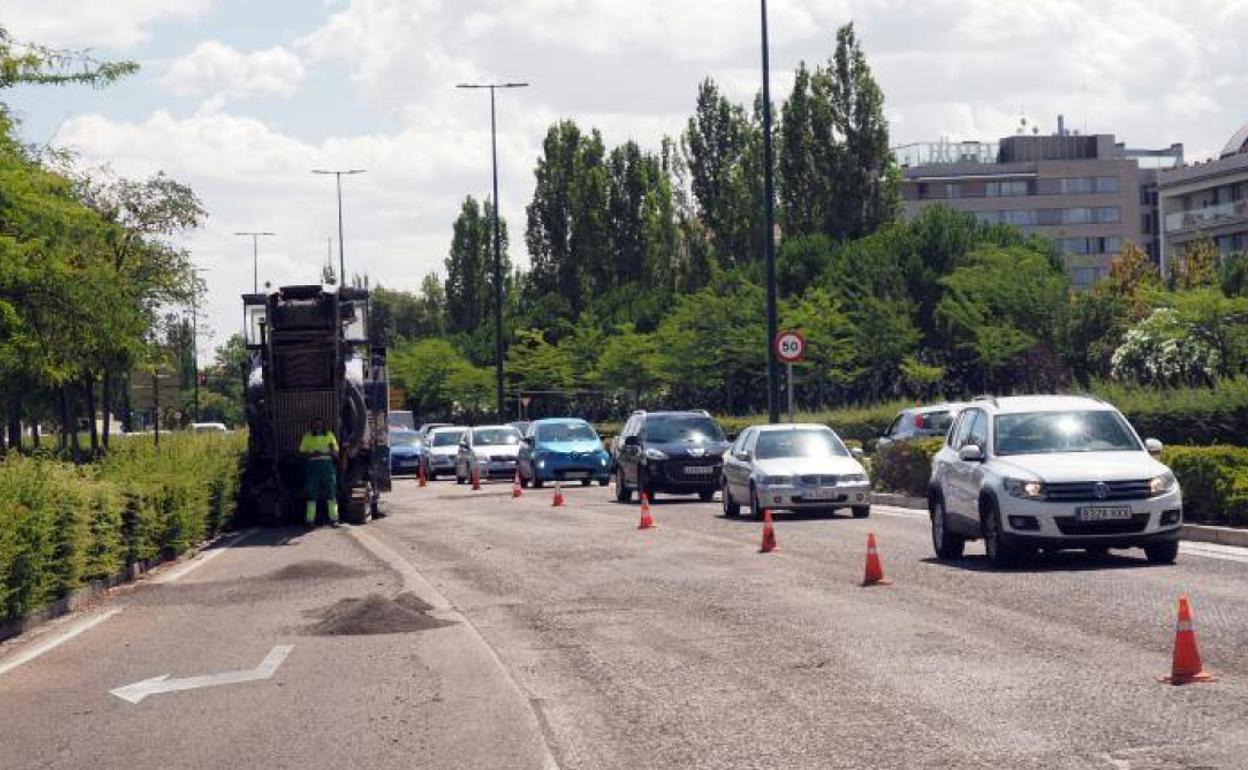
column 487, row 450
column 794, row 468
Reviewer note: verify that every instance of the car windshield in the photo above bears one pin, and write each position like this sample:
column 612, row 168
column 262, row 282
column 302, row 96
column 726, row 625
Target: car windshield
column 447, row 437
column 1053, row 432
column 404, row 439
column 570, row 431
column 695, row 430
column 774, row 444
column 496, row 437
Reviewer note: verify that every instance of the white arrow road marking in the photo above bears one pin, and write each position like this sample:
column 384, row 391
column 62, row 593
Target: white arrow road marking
column 135, row 693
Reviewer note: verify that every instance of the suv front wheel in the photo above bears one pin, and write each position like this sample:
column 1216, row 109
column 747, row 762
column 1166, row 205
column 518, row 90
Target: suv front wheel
column 1001, row 553
column 731, row 507
column 946, row 544
column 1162, row 553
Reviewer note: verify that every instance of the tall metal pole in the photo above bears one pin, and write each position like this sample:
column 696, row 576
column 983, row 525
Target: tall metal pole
column 773, row 400
column 195, row 350
column 255, row 257
column 342, row 261
column 498, row 241
column 498, row 265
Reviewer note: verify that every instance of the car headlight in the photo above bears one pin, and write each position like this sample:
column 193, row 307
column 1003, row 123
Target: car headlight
column 602, row 461
column 854, row 478
column 655, row 454
column 1026, row 489
column 777, row 481
column 1162, row 484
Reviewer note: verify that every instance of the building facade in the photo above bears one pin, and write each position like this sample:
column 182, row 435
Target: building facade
column 1206, row 200
column 1090, row 194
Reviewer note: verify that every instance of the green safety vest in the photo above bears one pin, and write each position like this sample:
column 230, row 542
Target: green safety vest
column 324, row 446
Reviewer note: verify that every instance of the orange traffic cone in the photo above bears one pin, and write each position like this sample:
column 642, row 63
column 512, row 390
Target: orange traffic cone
column 875, row 573
column 558, row 499
column 647, row 521
column 476, row 477
column 516, row 486
column 422, row 481
column 769, row 534
column 1187, row 666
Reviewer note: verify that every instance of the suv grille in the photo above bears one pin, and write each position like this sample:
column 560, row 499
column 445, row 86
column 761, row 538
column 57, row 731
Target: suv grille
column 1086, row 491
column 1069, row 525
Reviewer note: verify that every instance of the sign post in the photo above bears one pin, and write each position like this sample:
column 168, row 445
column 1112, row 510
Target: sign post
column 790, row 347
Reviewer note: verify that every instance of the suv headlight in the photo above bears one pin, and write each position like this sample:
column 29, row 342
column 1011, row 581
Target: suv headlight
column 777, row 481
column 1027, row 490
column 854, row 478
column 1162, row 484
column 655, row 454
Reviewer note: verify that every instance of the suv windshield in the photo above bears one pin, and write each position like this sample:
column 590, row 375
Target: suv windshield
column 447, row 438
column 798, row 443
column 405, row 438
column 1053, row 432
column 695, row 430
column 496, row 437
column 566, row 432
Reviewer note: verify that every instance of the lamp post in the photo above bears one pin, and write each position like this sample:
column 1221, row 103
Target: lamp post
column 195, row 271
column 342, row 263
column 255, row 257
column 498, row 239
column 773, row 400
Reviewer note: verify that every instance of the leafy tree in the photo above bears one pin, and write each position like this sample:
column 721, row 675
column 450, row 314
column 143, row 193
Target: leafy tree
column 1133, row 277
column 28, row 64
column 470, row 267
column 630, row 361
column 799, row 186
column 831, row 360
column 1197, row 265
column 1233, row 274
column 535, row 364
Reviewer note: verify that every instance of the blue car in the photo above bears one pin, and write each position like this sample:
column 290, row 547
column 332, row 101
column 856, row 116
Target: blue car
column 563, row 450
column 405, row 452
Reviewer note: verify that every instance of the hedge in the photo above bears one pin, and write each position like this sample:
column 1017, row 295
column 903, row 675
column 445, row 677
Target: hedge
column 63, row 526
column 1189, row 416
column 1214, row 481
column 904, row 466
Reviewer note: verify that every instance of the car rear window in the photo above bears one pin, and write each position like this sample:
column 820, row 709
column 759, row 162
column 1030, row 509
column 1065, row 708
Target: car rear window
column 694, row 429
column 935, row 422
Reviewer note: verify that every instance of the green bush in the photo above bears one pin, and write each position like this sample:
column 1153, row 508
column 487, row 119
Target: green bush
column 1214, row 481
column 904, row 467
column 1194, row 416
column 62, row 526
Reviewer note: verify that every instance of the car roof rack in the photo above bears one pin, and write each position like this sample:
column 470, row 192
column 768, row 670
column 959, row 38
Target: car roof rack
column 987, row 397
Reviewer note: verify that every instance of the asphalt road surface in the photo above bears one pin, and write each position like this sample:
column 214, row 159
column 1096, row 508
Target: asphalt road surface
column 470, row 630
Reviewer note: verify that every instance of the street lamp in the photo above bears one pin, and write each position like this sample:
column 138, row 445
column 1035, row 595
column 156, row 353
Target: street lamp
column 342, row 264
column 498, row 238
column 255, row 257
column 769, row 185
column 195, row 332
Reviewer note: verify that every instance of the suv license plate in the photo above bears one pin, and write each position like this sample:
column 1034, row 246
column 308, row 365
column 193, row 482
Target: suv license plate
column 1104, row 513
column 699, row 470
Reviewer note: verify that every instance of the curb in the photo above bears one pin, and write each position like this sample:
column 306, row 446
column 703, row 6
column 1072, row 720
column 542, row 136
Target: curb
column 79, row 597
column 1201, row 533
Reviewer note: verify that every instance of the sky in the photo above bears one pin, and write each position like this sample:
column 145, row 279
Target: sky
column 242, row 98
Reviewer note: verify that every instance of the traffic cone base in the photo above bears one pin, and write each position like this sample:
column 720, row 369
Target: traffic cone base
column 516, row 487
column 647, row 520
column 1186, row 667
column 476, row 478
column 874, row 574
column 421, row 480
column 557, row 501
column 769, row 544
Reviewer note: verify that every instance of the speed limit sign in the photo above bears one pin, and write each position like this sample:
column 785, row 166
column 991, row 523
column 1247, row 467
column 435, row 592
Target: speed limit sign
column 790, row 347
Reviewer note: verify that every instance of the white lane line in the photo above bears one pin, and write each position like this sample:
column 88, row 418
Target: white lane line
column 1186, row 547
column 75, row 629
column 201, row 559
column 444, row 610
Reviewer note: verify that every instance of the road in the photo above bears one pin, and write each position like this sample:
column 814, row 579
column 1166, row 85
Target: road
column 527, row 636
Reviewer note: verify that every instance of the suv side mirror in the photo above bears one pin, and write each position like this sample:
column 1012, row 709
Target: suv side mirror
column 971, row 453
column 745, row 455
column 1153, row 446
column 632, row 441
column 856, row 452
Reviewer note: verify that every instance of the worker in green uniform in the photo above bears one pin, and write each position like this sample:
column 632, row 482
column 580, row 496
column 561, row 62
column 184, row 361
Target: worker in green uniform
column 320, row 449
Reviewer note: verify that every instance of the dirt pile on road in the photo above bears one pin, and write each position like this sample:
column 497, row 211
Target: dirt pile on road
column 374, row 614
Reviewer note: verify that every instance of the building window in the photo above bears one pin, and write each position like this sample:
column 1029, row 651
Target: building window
column 1106, row 215
column 1076, row 185
column 1076, row 216
column 1083, row 277
column 1005, row 189
column 953, row 190
column 922, row 190
column 1107, row 184
column 1019, row 217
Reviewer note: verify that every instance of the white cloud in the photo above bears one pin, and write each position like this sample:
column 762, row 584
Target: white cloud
column 215, row 69
column 114, row 23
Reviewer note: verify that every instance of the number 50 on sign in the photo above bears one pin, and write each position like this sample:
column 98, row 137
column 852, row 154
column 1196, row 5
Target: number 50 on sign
column 790, row 347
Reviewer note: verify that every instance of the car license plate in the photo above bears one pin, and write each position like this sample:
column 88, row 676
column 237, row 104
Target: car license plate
column 699, row 470
column 576, row 475
column 820, row 494
column 1104, row 513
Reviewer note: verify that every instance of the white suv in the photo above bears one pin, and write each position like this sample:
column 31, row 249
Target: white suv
column 1051, row 472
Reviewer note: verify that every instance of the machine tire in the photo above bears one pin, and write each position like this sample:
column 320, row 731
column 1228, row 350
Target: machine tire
column 622, row 493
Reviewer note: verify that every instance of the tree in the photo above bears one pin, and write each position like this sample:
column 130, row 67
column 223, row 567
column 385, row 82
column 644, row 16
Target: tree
column 1133, row 277
column 799, row 190
column 640, row 220
column 1233, row 274
column 630, row 361
column 535, row 364
column 1197, row 264
column 27, row 64
column 470, row 286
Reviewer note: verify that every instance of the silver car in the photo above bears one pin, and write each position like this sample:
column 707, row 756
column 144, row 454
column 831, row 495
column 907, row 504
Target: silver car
column 488, row 450
column 795, row 468
column 441, row 450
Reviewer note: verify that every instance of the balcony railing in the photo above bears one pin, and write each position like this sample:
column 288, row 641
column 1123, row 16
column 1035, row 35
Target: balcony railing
column 1207, row 217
